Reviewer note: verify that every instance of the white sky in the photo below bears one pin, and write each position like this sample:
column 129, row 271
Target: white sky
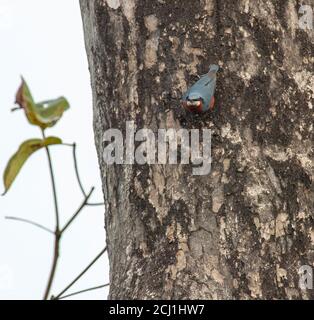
column 43, row 41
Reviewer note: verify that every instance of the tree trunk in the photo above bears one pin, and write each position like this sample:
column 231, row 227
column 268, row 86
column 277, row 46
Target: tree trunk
column 243, row 230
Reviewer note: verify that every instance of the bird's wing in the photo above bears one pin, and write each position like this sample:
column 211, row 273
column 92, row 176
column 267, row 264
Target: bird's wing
column 186, row 94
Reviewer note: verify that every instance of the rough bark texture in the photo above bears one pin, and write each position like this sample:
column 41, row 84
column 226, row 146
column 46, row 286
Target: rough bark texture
column 242, row 231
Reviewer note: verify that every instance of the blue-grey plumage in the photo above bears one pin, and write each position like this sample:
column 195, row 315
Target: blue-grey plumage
column 200, row 97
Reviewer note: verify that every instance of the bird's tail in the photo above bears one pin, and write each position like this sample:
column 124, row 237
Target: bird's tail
column 213, row 68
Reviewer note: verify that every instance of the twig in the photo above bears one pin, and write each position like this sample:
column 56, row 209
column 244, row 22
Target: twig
column 58, row 233
column 82, row 291
column 53, row 184
column 77, row 174
column 76, row 170
column 79, row 179
column 29, row 222
column 95, row 204
column 67, row 144
column 57, row 229
column 77, row 211
column 80, row 275
column 15, row 109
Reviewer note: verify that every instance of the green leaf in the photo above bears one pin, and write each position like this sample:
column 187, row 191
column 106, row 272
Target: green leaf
column 44, row 114
column 49, row 112
column 26, row 149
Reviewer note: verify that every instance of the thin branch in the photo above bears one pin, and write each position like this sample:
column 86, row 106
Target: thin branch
column 82, row 291
column 29, row 222
column 95, row 204
column 81, row 274
column 76, row 170
column 77, row 174
column 58, row 233
column 77, row 211
column 79, row 179
column 57, row 229
column 54, row 265
column 66, row 144
column 53, row 185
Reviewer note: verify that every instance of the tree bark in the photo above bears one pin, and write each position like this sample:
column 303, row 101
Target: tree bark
column 243, row 231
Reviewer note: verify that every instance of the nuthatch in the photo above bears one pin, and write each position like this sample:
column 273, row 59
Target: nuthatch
column 200, row 97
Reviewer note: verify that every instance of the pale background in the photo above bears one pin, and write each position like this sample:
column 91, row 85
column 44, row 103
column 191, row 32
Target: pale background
column 43, row 41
